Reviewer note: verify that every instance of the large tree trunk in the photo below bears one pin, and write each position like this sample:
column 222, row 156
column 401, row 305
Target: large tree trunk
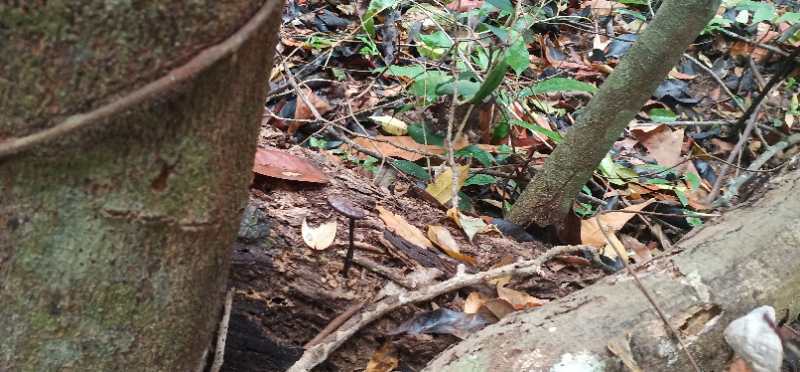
column 114, row 239
column 746, row 259
column 548, row 198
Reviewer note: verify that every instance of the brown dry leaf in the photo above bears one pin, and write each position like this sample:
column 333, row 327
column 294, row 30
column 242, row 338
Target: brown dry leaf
column 497, row 307
column 632, row 244
column 502, row 280
column 675, row 74
column 442, row 238
column 519, row 300
column 473, row 303
column 603, row 8
column 612, row 222
column 319, row 237
column 739, row 365
column 387, row 149
column 303, row 112
column 280, row 164
column 663, row 144
column 442, row 187
column 383, row 360
column 464, row 5
column 398, row 225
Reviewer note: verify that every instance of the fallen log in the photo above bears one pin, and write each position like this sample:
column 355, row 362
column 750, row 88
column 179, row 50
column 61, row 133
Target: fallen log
column 743, row 260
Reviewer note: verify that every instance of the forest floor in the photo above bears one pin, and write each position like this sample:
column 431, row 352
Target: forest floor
column 366, row 105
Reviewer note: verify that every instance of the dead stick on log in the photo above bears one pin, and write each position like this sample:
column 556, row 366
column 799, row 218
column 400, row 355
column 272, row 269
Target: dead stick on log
column 222, row 333
column 319, row 353
column 647, row 294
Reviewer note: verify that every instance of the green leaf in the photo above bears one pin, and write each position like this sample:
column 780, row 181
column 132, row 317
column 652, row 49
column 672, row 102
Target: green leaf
column 633, row 2
column 558, row 84
column 466, row 89
column 492, row 81
column 375, row 7
column 411, row 71
column 503, row 5
column 464, row 202
column 681, row 196
column 427, row 84
column 789, row 17
column 693, row 179
column 480, row 180
column 500, row 130
column 615, row 173
column 633, row 14
column 517, row 55
column 762, row 11
column 555, row 136
column 412, row 169
column 660, row 115
column 472, row 151
column 422, row 134
column 437, row 39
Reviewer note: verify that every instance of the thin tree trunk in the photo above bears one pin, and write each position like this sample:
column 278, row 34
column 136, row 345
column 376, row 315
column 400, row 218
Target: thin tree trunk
column 114, row 240
column 548, row 198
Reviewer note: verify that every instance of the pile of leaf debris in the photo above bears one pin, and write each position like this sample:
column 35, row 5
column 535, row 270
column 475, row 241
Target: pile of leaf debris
column 432, row 117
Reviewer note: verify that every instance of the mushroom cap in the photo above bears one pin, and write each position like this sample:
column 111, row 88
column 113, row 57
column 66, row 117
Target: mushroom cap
column 346, row 208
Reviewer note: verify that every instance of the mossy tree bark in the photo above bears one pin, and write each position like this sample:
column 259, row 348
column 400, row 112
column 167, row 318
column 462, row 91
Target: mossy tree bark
column 114, row 240
column 550, row 195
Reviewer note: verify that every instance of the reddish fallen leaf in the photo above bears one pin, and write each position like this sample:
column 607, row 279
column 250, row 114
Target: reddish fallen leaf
column 388, row 149
column 464, row 5
column 663, row 143
column 304, row 112
column 276, row 163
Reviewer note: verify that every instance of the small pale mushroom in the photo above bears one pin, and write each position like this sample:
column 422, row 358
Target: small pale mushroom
column 353, row 213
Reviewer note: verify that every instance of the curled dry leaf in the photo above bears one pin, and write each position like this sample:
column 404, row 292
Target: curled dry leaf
column 319, row 237
column 276, row 163
column 442, row 238
column 391, row 125
column 398, row 225
column 518, row 300
column 389, row 148
column 473, row 303
column 384, row 359
column 662, row 143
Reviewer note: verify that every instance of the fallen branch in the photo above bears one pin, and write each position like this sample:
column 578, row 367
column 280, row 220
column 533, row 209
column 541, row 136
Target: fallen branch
column 319, row 353
column 222, row 333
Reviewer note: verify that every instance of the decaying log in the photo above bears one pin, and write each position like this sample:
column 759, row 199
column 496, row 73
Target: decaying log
column 745, row 259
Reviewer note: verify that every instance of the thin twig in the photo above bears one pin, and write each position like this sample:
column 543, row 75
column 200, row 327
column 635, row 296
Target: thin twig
column 734, row 153
column 207, row 58
column 735, row 184
column 319, row 353
column 719, row 81
column 222, row 333
column 647, row 295
column 334, row 324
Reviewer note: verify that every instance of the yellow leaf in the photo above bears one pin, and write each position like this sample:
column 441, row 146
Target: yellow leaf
column 319, row 237
column 612, row 222
column 383, row 360
column 391, row 125
column 473, row 303
column 519, row 300
column 399, row 225
column 442, row 238
column 442, row 186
